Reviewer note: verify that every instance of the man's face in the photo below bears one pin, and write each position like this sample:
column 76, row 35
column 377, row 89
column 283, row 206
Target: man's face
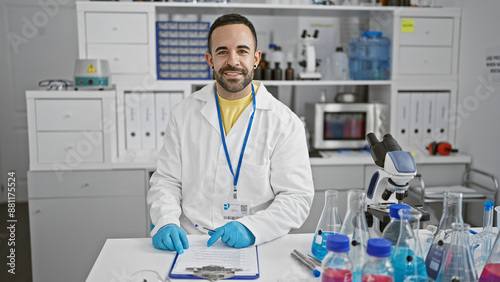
column 233, row 56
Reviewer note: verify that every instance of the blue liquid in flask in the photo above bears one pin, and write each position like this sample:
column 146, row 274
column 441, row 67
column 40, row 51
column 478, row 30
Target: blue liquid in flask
column 318, row 248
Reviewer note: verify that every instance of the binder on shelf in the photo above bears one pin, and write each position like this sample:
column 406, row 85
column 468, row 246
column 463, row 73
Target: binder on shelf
column 416, row 118
column 442, row 111
column 132, row 121
column 162, row 100
column 148, row 127
column 403, row 118
column 429, row 117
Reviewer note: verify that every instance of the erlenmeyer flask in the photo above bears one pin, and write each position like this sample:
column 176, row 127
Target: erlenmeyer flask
column 491, row 271
column 459, row 264
column 407, row 257
column 356, row 229
column 452, row 212
column 329, row 223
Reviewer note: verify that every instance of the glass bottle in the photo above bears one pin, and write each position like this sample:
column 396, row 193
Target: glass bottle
column 391, row 231
column 257, row 73
column 329, row 223
column 378, row 267
column 337, row 266
column 407, row 258
column 340, row 65
column 459, row 264
column 356, row 229
column 491, row 271
column 452, row 213
column 289, row 73
column 263, row 62
column 268, row 74
column 277, row 72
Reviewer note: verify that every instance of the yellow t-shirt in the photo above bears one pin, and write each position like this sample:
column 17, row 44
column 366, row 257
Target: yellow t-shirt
column 231, row 109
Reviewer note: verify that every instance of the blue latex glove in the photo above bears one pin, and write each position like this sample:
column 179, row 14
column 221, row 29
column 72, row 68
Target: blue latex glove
column 171, row 237
column 234, row 234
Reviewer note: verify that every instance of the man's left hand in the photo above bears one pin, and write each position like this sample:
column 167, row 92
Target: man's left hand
column 234, row 234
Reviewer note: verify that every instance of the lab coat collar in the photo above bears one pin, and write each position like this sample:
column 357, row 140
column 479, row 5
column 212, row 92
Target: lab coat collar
column 263, row 98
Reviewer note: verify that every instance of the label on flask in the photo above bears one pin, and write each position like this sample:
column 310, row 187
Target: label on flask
column 435, row 258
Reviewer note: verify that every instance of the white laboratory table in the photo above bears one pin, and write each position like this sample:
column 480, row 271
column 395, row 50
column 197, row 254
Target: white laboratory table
column 120, row 258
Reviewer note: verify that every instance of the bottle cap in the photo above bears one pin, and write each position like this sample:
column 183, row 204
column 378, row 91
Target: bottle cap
column 372, row 33
column 379, row 247
column 394, row 209
column 337, row 243
column 488, row 205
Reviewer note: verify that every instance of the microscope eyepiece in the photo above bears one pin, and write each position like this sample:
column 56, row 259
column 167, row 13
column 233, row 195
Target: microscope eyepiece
column 371, row 139
column 387, row 194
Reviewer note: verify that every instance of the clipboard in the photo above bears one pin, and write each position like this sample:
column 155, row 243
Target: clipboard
column 243, row 262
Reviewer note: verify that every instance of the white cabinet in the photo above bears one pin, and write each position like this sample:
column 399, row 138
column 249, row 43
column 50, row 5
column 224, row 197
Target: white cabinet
column 122, row 38
column 117, row 28
column 71, row 129
column 73, row 213
column 426, row 43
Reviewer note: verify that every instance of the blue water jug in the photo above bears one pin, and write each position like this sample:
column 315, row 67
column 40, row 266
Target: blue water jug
column 369, row 57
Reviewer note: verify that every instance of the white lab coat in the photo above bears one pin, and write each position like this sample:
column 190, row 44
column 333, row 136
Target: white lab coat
column 193, row 180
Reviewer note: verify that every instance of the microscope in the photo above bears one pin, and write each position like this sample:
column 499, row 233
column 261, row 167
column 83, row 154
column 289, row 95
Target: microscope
column 397, row 168
column 310, row 63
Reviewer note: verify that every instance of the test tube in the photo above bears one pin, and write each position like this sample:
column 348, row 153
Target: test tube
column 487, row 226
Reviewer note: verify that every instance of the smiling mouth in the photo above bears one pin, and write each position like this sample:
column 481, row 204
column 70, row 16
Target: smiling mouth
column 232, row 73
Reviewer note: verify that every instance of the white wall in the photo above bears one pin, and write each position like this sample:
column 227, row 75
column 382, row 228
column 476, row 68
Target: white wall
column 38, row 41
column 478, row 119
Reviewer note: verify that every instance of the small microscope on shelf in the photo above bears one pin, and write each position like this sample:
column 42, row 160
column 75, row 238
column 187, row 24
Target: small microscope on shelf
column 397, row 169
column 310, row 63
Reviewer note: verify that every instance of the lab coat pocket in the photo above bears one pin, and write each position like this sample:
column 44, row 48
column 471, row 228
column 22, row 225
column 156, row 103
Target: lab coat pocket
column 255, row 182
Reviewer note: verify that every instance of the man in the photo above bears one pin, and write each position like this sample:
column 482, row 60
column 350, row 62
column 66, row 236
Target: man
column 234, row 158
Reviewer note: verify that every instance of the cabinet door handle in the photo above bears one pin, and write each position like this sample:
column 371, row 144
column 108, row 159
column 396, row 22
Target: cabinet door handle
column 68, row 115
column 116, row 27
column 85, row 185
column 37, row 211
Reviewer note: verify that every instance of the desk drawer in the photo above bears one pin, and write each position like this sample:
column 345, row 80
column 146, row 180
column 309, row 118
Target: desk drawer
column 46, row 184
column 116, row 27
column 123, row 58
column 428, row 32
column 70, row 148
column 82, row 114
column 425, row 60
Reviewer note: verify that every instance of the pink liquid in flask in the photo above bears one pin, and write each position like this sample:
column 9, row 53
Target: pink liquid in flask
column 491, row 273
column 377, row 278
column 336, row 275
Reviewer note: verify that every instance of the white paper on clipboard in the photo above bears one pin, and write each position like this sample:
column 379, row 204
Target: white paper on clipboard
column 219, row 254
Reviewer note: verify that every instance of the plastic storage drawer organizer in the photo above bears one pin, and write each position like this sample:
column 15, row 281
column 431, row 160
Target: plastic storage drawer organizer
column 181, row 48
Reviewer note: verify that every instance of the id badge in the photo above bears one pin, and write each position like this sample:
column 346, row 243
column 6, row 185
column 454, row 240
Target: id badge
column 233, row 210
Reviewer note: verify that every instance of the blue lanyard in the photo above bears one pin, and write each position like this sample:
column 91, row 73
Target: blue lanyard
column 222, row 134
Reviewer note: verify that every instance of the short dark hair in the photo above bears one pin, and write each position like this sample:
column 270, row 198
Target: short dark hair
column 227, row 20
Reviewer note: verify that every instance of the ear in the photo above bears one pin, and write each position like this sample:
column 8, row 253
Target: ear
column 209, row 59
column 256, row 57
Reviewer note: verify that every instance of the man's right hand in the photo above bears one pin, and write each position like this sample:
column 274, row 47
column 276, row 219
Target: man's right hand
column 171, row 237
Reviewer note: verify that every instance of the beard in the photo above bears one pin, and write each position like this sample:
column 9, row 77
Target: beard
column 233, row 85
